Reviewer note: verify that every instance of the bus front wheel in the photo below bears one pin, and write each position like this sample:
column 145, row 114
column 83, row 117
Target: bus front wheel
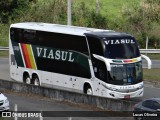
column 36, row 81
column 88, row 89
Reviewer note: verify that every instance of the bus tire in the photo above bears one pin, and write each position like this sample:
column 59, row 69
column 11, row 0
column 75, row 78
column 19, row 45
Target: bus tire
column 35, row 80
column 26, row 78
column 88, row 89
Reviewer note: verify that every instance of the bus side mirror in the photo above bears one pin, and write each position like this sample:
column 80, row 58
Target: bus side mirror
column 148, row 60
column 104, row 60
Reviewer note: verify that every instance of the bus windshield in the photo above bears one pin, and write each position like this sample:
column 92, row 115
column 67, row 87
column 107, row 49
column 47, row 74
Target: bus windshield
column 125, row 74
column 121, row 48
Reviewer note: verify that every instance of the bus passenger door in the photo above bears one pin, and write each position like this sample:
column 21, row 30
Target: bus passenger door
column 100, row 72
column 95, row 83
column 77, row 84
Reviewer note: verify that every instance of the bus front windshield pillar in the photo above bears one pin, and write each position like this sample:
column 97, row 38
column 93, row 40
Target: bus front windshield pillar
column 148, row 60
column 104, row 60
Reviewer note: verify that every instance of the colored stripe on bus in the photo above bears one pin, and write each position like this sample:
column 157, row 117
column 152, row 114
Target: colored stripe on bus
column 33, row 66
column 25, row 55
column 28, row 57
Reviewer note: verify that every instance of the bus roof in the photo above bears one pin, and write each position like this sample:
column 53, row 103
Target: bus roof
column 73, row 30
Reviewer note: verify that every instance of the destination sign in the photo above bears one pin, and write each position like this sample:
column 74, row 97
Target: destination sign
column 119, row 41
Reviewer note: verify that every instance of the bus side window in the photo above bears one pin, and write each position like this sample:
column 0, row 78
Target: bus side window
column 13, row 34
column 29, row 36
column 63, row 41
column 96, row 47
column 79, row 44
column 100, row 70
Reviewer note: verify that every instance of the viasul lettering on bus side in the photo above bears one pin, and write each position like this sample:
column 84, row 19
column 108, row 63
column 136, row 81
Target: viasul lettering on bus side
column 55, row 54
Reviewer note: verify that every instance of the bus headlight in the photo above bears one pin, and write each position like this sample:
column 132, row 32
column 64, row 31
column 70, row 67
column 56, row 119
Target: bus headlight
column 141, row 86
column 113, row 89
column 6, row 101
column 109, row 88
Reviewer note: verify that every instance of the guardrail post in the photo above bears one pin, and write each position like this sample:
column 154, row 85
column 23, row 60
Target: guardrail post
column 15, row 109
column 70, row 118
column 41, row 117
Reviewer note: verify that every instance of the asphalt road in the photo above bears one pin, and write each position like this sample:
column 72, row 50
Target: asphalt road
column 28, row 102
column 4, row 67
column 149, row 90
column 36, row 103
column 155, row 63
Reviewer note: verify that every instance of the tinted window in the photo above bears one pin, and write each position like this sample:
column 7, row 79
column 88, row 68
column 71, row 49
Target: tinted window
column 55, row 40
column 95, row 45
column 23, row 36
column 148, row 104
column 121, row 48
column 100, row 69
column 125, row 74
column 155, row 105
column 63, row 41
column 29, row 36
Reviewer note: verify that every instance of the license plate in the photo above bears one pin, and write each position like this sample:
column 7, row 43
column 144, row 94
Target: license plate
column 127, row 96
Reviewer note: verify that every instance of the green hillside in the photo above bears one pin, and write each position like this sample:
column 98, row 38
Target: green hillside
column 140, row 18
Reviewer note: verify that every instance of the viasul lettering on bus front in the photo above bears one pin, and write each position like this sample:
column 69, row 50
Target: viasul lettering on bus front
column 122, row 41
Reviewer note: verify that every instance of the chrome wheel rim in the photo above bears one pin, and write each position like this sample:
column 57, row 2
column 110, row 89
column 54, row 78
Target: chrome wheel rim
column 89, row 91
column 28, row 80
column 36, row 82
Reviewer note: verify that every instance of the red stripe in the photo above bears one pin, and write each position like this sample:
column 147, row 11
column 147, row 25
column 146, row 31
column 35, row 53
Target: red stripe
column 25, row 55
column 23, row 51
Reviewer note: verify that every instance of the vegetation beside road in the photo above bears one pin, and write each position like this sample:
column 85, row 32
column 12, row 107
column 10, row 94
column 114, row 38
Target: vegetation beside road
column 154, row 56
column 4, row 54
column 140, row 18
column 151, row 75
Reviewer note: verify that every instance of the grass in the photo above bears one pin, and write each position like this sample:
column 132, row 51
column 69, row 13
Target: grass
column 154, row 56
column 151, row 74
column 4, row 31
column 4, row 53
column 111, row 9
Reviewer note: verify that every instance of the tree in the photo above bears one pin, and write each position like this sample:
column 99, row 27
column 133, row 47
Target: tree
column 97, row 6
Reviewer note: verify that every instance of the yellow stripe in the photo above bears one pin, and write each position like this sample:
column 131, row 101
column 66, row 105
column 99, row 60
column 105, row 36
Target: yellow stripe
column 135, row 60
column 31, row 57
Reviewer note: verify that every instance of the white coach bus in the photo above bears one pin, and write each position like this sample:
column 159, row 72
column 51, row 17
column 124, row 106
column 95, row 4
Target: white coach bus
column 93, row 61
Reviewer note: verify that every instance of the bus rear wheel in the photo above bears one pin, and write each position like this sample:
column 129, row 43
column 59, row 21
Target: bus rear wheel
column 27, row 79
column 35, row 80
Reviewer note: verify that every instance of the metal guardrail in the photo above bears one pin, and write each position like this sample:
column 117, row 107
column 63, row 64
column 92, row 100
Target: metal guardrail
column 149, row 50
column 4, row 48
column 141, row 50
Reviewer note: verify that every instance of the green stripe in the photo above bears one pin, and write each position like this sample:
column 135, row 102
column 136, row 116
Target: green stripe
column 17, row 54
column 78, row 57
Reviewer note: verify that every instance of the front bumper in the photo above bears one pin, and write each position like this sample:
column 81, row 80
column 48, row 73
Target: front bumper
column 114, row 94
column 4, row 105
